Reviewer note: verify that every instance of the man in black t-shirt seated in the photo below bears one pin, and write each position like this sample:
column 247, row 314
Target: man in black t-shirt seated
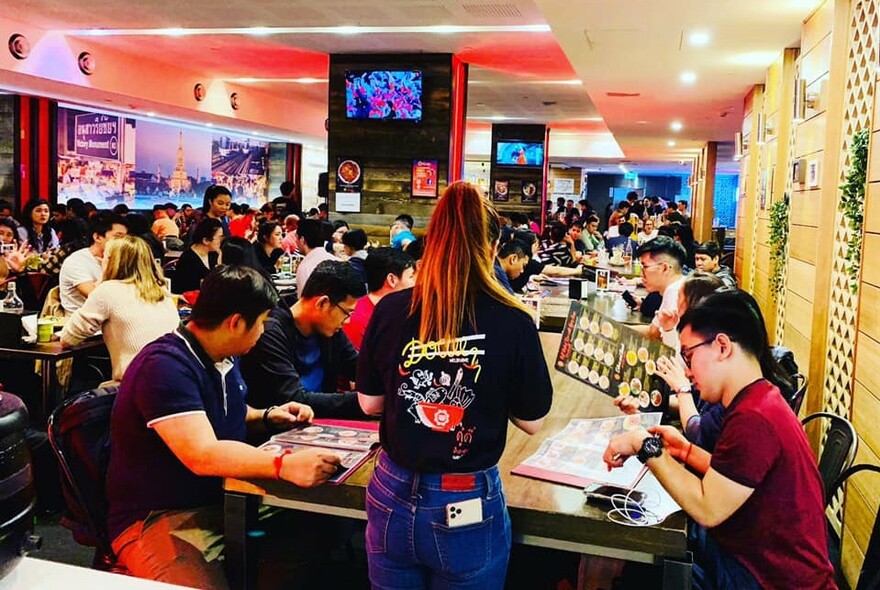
column 178, row 427
column 303, row 351
column 536, row 268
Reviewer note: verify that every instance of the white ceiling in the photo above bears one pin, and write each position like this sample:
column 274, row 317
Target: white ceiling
column 612, row 46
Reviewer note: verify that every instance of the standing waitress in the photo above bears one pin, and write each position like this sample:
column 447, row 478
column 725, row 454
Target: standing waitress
column 448, row 363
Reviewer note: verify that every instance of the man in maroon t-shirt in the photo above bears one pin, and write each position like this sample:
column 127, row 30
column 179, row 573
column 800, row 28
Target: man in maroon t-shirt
column 760, row 495
column 387, row 270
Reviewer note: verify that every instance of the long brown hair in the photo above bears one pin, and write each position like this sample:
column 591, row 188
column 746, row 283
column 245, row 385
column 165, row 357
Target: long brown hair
column 457, row 264
column 130, row 260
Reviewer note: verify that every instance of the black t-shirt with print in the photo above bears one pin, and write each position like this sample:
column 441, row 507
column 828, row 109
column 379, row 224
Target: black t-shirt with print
column 449, row 412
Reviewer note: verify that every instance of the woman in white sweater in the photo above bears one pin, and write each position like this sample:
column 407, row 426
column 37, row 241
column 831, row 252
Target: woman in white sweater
column 131, row 306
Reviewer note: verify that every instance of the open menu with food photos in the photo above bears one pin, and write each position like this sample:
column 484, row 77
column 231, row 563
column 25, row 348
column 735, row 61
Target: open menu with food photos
column 354, row 441
column 573, row 456
column 612, row 357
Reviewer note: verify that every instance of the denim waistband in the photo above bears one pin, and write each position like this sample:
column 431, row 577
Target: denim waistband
column 486, row 481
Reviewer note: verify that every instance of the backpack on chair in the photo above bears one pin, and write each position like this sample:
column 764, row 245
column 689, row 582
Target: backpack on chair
column 79, row 432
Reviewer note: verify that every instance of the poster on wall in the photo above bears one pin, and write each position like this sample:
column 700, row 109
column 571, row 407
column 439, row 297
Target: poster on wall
column 108, row 160
column 349, row 184
column 529, row 191
column 501, row 191
column 563, row 186
column 241, row 165
column 424, row 178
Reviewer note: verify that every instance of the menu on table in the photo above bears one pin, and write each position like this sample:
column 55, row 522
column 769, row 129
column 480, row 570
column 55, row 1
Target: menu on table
column 353, row 441
column 574, row 455
column 612, row 357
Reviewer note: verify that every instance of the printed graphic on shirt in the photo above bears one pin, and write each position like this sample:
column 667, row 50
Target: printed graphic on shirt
column 438, row 396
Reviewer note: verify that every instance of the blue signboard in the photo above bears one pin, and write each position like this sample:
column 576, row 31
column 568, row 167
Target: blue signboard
column 97, row 136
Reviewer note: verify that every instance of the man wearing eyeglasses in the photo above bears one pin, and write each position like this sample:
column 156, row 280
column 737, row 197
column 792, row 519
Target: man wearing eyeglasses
column 758, row 497
column 303, row 351
column 662, row 260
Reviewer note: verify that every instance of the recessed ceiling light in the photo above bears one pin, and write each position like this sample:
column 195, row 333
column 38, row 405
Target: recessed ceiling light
column 676, row 126
column 671, row 143
column 641, row 122
column 209, row 124
column 173, row 32
column 699, row 38
column 259, row 31
column 688, row 77
column 151, row 114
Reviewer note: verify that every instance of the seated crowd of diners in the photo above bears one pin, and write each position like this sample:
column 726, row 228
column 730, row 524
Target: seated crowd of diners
column 374, row 330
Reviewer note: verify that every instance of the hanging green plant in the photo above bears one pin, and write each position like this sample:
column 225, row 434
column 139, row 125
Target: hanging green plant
column 852, row 204
column 778, row 244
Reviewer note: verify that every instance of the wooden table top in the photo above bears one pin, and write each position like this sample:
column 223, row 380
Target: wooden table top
column 50, row 350
column 542, row 513
column 555, row 306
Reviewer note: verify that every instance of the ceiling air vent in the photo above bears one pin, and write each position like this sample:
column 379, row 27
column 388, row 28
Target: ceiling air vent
column 492, row 10
column 623, row 94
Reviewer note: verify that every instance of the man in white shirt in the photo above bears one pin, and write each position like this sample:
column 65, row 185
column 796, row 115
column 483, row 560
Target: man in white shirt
column 82, row 270
column 662, row 260
column 310, row 241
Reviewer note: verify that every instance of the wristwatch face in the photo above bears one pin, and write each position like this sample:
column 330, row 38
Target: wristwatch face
column 651, row 447
column 685, row 388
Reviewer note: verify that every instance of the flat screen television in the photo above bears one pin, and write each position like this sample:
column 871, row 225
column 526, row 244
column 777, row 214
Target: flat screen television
column 383, row 94
column 519, row 153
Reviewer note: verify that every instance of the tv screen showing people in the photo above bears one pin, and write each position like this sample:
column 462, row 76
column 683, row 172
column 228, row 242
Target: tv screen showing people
column 519, row 153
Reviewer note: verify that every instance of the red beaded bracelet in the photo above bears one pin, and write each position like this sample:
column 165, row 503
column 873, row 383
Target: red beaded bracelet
column 279, row 461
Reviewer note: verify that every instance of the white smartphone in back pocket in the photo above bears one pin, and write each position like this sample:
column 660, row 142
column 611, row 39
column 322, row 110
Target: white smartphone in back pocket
column 464, row 513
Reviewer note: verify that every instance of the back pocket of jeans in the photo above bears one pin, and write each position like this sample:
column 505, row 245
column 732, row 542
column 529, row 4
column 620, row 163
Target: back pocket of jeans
column 464, row 550
column 378, row 517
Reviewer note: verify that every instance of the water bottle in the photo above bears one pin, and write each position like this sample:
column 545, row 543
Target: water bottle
column 286, row 263
column 627, row 255
column 12, row 303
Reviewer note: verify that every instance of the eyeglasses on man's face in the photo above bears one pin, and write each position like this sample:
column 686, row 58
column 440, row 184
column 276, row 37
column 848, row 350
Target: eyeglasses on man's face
column 687, row 352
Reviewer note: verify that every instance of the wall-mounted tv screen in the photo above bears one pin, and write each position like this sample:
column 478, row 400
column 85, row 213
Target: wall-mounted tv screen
column 383, row 94
column 519, row 153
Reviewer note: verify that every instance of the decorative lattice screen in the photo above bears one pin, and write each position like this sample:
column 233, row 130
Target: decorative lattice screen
column 858, row 104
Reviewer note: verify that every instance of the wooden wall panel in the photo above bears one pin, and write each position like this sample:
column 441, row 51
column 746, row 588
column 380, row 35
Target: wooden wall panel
column 799, row 313
column 801, row 278
column 872, row 208
column 805, row 207
column 810, row 137
column 866, row 409
column 869, row 311
column 871, row 264
column 817, row 26
column 814, row 62
column 802, row 243
column 795, row 341
column 868, row 361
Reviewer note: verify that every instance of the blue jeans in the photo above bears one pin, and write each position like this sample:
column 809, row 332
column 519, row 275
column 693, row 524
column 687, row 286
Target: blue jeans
column 409, row 545
column 713, row 568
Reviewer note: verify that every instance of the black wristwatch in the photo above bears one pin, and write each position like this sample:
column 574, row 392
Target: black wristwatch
column 651, row 447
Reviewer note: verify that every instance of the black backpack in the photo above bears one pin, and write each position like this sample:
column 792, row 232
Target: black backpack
column 79, row 432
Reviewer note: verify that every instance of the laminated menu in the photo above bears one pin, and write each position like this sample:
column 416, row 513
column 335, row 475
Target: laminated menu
column 612, row 357
column 574, row 455
column 354, row 441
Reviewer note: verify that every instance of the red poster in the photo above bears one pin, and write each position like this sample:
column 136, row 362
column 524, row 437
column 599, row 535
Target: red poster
column 424, row 178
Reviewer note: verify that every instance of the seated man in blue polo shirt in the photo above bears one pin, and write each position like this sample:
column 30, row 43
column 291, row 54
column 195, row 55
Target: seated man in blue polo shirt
column 303, row 352
column 178, row 427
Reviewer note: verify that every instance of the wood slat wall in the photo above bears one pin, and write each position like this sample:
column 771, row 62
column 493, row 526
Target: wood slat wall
column 862, row 498
column 814, row 64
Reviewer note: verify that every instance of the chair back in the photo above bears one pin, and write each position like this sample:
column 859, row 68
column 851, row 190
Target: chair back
column 79, row 432
column 800, row 390
column 869, row 577
column 841, row 444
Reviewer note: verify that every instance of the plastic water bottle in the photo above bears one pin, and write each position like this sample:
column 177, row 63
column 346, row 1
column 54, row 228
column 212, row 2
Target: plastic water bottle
column 628, row 255
column 286, row 263
column 12, row 303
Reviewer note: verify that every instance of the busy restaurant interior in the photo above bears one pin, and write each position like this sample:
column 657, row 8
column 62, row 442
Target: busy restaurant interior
column 259, row 263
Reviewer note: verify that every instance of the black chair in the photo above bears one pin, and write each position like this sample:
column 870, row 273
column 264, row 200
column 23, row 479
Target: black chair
column 869, row 577
column 800, row 390
column 79, row 432
column 841, row 444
